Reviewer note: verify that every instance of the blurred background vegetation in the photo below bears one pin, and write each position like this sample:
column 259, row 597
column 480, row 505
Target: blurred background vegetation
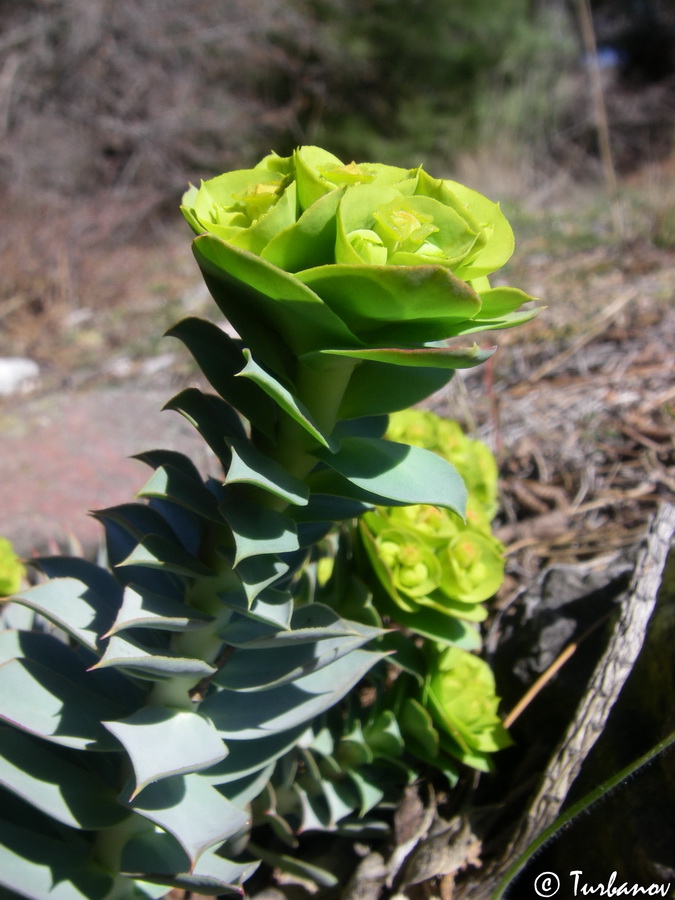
column 108, row 109
column 149, row 93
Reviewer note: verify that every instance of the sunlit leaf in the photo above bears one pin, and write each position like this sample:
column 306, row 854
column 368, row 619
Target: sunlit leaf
column 162, row 742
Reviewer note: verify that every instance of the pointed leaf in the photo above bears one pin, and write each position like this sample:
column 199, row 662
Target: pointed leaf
column 192, row 810
column 142, row 609
column 70, row 663
column 120, row 542
column 323, row 508
column 370, row 793
column 144, row 662
column 101, row 582
column 260, row 670
column 257, row 530
column 500, row 301
column 156, row 552
column 508, row 320
column 159, row 853
column 43, row 868
column 247, row 757
column 162, row 742
column 57, row 786
column 221, row 359
column 284, row 398
column 244, row 790
column 258, row 573
column 270, row 608
column 213, row 418
column 433, row 624
column 311, row 623
column 170, row 483
column 305, row 870
column 42, row 702
column 403, row 474
column 157, row 458
column 282, row 708
column 250, row 466
column 72, row 606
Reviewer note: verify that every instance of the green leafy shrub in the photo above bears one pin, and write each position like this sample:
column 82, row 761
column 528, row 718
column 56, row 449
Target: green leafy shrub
column 239, row 611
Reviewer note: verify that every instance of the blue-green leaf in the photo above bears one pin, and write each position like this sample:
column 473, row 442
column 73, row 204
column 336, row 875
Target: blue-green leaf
column 221, row 359
column 169, row 483
column 71, row 664
column 55, row 784
column 258, row 573
column 142, row 609
column 309, row 624
column 101, row 582
column 73, row 606
column 257, row 530
column 242, row 791
column 260, row 670
column 44, row 868
column 144, row 662
column 403, row 474
column 160, row 854
column 250, row 466
column 282, row 708
column 270, row 608
column 157, row 552
column 192, row 810
column 247, row 757
column 284, row 398
column 305, row 870
column 213, row 418
column 42, row 702
column 157, row 458
column 162, row 742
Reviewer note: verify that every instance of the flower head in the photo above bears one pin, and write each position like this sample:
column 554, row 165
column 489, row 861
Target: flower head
column 460, row 695
column 394, row 257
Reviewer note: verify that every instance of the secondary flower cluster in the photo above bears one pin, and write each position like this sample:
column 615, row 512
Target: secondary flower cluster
column 426, row 557
column 11, row 569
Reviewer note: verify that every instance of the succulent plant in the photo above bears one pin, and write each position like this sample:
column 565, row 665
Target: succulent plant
column 139, row 736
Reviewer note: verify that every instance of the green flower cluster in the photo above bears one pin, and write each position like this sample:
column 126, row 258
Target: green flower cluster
column 457, row 714
column 398, row 258
column 426, row 557
column 11, row 569
column 370, row 214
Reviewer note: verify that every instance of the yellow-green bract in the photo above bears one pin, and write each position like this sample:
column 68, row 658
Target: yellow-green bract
column 379, row 215
column 400, row 259
column 460, row 695
column 11, row 569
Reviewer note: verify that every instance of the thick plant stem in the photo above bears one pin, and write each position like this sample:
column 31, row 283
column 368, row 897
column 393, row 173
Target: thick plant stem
column 320, row 384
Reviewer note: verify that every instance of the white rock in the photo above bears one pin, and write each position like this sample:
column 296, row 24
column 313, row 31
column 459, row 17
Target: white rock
column 17, row 375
